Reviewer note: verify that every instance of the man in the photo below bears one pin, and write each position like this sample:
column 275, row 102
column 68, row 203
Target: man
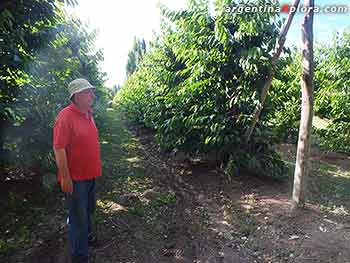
column 77, row 153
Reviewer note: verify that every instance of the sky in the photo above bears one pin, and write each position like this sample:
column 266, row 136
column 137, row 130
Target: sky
column 118, row 22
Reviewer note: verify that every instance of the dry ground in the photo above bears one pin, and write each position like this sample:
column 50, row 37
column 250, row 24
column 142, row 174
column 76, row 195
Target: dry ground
column 154, row 207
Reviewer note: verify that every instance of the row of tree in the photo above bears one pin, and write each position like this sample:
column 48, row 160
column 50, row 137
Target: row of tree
column 201, row 79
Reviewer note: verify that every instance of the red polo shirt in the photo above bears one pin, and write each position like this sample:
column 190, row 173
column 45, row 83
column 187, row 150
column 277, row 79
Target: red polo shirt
column 76, row 132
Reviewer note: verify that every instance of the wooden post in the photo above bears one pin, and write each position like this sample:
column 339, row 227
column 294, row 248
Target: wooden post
column 276, row 55
column 307, row 88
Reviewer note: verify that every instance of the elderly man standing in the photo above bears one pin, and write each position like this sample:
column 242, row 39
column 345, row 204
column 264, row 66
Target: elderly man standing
column 77, row 153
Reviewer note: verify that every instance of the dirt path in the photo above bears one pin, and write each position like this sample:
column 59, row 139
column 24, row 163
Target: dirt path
column 155, row 208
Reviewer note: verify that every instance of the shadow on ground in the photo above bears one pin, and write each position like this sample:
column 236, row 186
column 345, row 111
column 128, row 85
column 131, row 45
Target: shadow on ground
column 154, row 208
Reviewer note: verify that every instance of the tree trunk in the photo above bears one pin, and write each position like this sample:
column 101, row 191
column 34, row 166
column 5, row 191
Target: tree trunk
column 276, row 55
column 307, row 87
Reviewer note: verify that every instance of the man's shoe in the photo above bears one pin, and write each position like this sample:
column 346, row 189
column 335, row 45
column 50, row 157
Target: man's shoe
column 80, row 259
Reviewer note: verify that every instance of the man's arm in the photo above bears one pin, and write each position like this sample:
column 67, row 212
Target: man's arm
column 62, row 165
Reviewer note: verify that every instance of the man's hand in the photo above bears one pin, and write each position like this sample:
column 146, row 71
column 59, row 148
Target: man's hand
column 62, row 165
column 67, row 185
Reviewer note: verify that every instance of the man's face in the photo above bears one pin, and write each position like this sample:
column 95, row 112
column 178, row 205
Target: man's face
column 85, row 98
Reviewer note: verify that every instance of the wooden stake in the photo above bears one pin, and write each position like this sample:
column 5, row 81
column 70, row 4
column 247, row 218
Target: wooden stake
column 275, row 57
column 307, row 87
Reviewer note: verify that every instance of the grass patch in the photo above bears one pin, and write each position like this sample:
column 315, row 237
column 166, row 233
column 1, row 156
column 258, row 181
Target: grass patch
column 26, row 217
column 320, row 123
column 329, row 186
column 164, row 200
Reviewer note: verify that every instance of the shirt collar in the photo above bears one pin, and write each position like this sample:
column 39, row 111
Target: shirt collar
column 74, row 108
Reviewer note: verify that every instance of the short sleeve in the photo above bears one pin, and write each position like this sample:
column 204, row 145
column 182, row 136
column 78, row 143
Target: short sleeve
column 61, row 132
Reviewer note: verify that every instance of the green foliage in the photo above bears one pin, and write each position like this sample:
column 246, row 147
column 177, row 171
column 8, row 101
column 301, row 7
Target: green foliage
column 135, row 56
column 52, row 50
column 21, row 214
column 333, row 89
column 332, row 99
column 285, row 99
column 257, row 161
column 332, row 94
column 165, row 200
column 32, row 29
column 25, row 27
column 336, row 137
column 200, row 81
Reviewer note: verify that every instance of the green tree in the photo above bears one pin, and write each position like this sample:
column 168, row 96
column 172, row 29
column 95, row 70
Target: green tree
column 200, row 81
column 332, row 100
column 25, row 26
column 135, row 56
column 38, row 88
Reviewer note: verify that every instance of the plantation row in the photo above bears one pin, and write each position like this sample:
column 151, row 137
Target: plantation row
column 198, row 85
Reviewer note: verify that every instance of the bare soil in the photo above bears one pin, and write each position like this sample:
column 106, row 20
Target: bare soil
column 153, row 207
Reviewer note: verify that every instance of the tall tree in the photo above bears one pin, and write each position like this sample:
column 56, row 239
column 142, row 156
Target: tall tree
column 135, row 55
column 41, row 51
column 307, row 88
column 25, row 27
column 199, row 83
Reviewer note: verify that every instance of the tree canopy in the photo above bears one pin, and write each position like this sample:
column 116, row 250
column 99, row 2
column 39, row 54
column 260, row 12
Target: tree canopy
column 135, row 56
column 42, row 50
column 199, row 83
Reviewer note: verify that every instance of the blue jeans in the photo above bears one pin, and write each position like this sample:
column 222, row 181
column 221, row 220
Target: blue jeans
column 81, row 207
